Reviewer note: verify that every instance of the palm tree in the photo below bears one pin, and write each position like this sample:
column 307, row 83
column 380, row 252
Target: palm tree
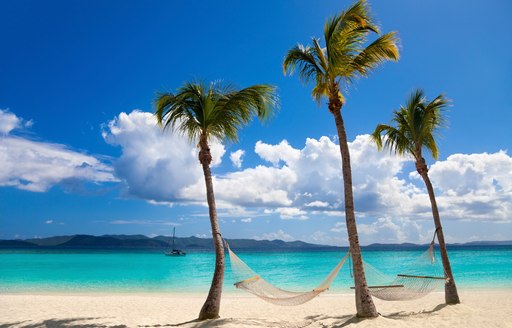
column 415, row 128
column 205, row 112
column 344, row 58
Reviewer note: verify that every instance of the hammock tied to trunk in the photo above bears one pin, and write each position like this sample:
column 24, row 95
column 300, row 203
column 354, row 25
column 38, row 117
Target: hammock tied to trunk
column 251, row 282
column 419, row 278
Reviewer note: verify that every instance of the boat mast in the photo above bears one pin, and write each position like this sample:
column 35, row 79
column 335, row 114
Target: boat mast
column 173, row 234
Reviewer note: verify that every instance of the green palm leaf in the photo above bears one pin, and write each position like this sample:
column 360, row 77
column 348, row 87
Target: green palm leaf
column 217, row 110
column 345, row 55
column 415, row 126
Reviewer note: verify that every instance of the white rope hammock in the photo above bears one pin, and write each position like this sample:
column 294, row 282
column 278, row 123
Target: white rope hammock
column 251, row 282
column 420, row 278
column 417, row 280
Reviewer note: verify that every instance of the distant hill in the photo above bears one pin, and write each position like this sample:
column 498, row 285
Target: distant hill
column 51, row 241
column 200, row 244
column 156, row 243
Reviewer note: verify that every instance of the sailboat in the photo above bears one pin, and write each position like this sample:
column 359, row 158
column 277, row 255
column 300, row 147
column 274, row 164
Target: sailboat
column 173, row 251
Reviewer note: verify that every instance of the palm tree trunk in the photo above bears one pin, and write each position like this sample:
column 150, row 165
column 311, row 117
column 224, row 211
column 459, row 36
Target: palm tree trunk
column 211, row 306
column 364, row 302
column 450, row 289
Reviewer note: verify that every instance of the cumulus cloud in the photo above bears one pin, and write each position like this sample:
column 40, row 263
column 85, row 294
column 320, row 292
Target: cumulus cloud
column 475, row 186
column 288, row 213
column 248, row 220
column 37, row 166
column 280, row 234
column 317, row 203
column 254, row 187
column 338, row 227
column 306, row 182
column 276, row 153
column 156, row 165
column 315, row 182
column 8, row 122
column 399, row 230
column 236, row 158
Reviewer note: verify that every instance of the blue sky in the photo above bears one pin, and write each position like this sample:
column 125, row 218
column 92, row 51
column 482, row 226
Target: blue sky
column 80, row 152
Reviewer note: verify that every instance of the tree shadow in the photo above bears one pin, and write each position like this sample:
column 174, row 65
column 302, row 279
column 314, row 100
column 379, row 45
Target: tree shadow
column 404, row 314
column 6, row 325
column 245, row 322
column 61, row 323
column 338, row 321
column 346, row 320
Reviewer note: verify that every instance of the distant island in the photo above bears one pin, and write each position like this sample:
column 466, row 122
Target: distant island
column 200, row 244
column 155, row 243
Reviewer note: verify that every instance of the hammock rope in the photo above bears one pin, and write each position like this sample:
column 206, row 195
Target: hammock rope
column 417, row 280
column 420, row 278
column 253, row 283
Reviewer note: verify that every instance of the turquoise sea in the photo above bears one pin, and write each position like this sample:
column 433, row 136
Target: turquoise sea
column 26, row 271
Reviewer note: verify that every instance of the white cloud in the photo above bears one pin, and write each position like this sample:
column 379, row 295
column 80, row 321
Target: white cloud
column 323, row 238
column 317, row 203
column 37, row 166
column 395, row 230
column 338, row 227
column 474, row 186
column 299, row 183
column 276, row 153
column 253, row 187
column 288, row 213
column 236, row 158
column 48, row 221
column 462, row 174
column 280, row 234
column 156, row 165
column 248, row 220
column 8, row 122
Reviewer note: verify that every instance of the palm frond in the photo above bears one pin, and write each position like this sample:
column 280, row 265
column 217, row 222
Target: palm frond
column 415, row 126
column 383, row 49
column 320, row 54
column 303, row 60
column 217, row 110
column 346, row 38
column 344, row 56
column 389, row 137
column 357, row 18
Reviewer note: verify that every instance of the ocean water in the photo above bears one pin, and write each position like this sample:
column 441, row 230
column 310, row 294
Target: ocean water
column 25, row 271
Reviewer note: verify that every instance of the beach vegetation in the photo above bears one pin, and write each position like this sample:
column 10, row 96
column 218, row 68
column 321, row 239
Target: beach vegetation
column 206, row 112
column 413, row 128
column 346, row 55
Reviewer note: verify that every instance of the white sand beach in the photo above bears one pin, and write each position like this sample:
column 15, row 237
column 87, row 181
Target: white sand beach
column 478, row 309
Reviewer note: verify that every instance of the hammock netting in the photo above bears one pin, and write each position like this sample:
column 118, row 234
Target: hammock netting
column 415, row 281
column 251, row 282
column 419, row 278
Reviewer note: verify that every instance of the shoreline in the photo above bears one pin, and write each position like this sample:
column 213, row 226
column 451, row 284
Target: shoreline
column 226, row 292
column 478, row 309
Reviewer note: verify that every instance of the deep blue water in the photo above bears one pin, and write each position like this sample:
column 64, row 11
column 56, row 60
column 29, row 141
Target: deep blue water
column 132, row 271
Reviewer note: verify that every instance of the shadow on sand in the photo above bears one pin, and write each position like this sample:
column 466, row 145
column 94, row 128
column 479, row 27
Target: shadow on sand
column 333, row 321
column 403, row 314
column 233, row 322
column 346, row 320
column 60, row 323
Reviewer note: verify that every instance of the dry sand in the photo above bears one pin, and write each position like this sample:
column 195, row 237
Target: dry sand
column 478, row 309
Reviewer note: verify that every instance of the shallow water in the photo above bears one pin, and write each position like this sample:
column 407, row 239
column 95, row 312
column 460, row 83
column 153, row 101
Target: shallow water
column 141, row 271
